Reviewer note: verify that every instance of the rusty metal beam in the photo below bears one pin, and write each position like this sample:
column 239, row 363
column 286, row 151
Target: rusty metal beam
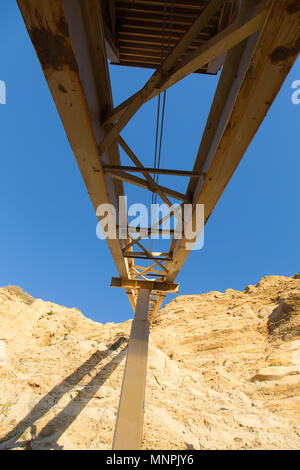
column 73, row 59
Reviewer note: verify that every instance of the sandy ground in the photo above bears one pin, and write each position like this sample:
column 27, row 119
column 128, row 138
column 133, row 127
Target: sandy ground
column 224, row 372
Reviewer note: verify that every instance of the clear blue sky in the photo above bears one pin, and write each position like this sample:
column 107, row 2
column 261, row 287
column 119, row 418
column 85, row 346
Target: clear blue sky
column 48, row 243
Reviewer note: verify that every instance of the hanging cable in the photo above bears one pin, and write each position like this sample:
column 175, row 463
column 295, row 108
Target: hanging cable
column 160, row 139
column 154, row 196
column 165, row 92
column 159, row 132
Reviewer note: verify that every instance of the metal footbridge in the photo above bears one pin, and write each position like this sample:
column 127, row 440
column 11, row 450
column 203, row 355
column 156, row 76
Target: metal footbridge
column 250, row 44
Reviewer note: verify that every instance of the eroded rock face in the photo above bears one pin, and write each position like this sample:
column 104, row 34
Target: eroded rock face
column 224, row 372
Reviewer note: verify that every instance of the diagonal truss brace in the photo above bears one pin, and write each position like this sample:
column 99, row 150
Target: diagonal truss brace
column 161, row 190
column 153, row 186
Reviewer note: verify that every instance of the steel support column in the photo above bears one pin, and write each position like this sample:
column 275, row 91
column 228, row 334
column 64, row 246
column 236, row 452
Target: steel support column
column 129, row 426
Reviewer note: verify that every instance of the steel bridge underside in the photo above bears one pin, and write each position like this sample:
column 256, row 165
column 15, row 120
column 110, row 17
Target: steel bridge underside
column 255, row 43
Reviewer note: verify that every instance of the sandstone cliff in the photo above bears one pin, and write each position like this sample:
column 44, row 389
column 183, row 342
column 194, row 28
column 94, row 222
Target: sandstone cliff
column 224, row 372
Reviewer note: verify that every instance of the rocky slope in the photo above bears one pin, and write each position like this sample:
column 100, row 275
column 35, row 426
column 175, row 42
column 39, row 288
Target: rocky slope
column 224, row 372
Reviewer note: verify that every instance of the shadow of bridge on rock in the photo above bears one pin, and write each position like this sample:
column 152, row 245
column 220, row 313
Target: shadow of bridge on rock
column 56, row 427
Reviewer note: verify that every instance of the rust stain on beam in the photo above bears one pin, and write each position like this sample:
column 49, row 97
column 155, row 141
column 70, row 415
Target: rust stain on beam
column 282, row 53
column 54, row 50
